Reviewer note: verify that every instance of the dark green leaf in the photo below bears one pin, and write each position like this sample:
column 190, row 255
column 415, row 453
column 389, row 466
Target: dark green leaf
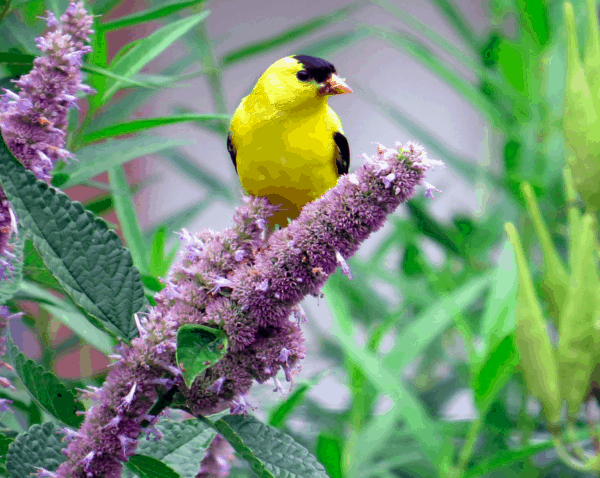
column 45, row 388
column 159, row 11
column 152, row 283
column 182, row 446
column 38, row 447
column 88, row 260
column 16, row 58
column 288, row 36
column 198, row 348
column 533, row 17
column 9, row 285
column 279, row 414
column 269, row 452
column 148, row 123
column 330, row 450
column 492, row 375
column 148, row 467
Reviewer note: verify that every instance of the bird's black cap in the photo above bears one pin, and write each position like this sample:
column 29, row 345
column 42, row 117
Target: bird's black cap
column 318, row 69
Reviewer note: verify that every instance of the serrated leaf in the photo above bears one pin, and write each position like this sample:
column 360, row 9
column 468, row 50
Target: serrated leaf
column 182, row 446
column 148, row 467
column 198, row 348
column 9, row 286
column 38, row 447
column 269, row 452
column 95, row 159
column 153, row 13
column 45, row 387
column 86, row 257
column 149, row 48
column 134, row 126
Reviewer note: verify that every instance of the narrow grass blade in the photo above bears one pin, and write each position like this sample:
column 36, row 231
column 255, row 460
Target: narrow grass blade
column 135, row 126
column 128, row 219
column 148, row 15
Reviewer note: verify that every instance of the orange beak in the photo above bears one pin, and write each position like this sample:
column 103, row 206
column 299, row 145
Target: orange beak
column 334, row 85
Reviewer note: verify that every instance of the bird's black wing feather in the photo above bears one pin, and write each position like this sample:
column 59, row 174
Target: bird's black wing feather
column 232, row 151
column 342, row 160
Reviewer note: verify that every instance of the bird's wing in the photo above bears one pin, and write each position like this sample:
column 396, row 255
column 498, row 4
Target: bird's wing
column 342, row 159
column 232, row 150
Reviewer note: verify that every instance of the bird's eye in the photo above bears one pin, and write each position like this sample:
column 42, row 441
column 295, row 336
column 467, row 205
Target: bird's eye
column 303, row 75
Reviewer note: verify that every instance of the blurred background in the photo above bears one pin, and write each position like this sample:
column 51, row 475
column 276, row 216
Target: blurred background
column 479, row 83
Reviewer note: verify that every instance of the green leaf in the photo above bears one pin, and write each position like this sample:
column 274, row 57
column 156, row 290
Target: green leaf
column 198, row 348
column 38, row 447
column 94, row 159
column 16, row 58
column 534, row 19
column 127, row 214
column 153, row 13
column 330, row 448
column 499, row 317
column 269, row 452
column 65, row 312
column 148, row 467
column 4, row 9
column 134, row 126
column 145, row 50
column 50, row 393
column 87, row 259
column 492, row 375
column 456, row 19
column 441, row 69
column 127, row 81
column 9, row 286
column 156, row 265
column 182, row 447
column 298, row 31
column 331, row 44
column 132, row 102
column 384, row 374
column 414, row 338
column 279, row 414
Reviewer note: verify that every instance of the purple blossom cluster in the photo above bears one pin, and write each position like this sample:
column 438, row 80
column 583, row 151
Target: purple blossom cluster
column 34, row 121
column 247, row 282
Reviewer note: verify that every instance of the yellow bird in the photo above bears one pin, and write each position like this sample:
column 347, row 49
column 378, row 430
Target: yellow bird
column 285, row 142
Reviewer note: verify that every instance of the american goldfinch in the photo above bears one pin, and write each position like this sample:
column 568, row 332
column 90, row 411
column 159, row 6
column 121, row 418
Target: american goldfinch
column 285, row 142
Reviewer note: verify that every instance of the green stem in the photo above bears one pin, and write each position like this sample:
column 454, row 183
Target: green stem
column 469, row 445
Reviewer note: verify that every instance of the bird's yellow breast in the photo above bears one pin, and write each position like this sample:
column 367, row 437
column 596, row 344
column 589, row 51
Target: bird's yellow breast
column 287, row 157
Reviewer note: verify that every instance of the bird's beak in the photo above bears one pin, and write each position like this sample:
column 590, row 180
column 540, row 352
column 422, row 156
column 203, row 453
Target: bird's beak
column 334, row 85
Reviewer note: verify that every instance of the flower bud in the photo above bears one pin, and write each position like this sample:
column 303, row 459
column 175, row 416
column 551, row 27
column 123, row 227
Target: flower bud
column 582, row 106
column 538, row 361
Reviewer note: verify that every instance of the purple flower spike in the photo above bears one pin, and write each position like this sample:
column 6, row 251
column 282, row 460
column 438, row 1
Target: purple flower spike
column 247, row 282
